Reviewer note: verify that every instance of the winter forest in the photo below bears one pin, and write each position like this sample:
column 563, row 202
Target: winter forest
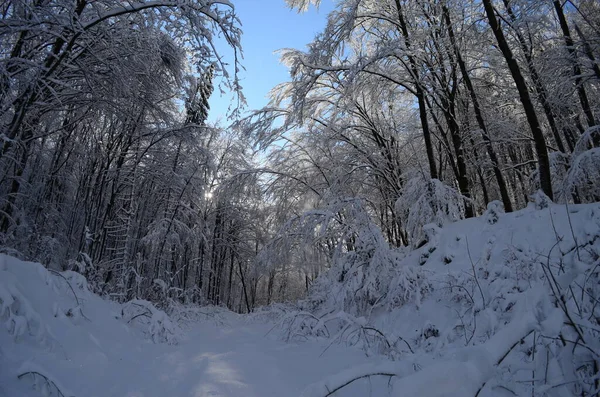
column 417, row 206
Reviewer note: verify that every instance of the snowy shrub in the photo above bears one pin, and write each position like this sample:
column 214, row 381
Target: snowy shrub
column 431, row 232
column 17, row 313
column 73, row 283
column 410, row 285
column 161, row 329
column 429, row 243
column 92, row 274
column 76, row 281
column 155, row 323
column 48, row 249
column 272, row 313
column 358, row 279
column 428, row 201
column 340, row 327
column 583, row 178
column 559, row 166
column 298, row 325
column 494, row 211
column 362, row 261
column 83, row 264
column 428, row 332
column 540, row 200
column 186, row 315
column 457, row 287
column 370, row 269
column 368, row 275
column 589, row 139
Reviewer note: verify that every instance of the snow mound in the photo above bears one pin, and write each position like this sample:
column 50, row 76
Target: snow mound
column 155, row 323
column 58, row 339
column 56, row 332
column 506, row 303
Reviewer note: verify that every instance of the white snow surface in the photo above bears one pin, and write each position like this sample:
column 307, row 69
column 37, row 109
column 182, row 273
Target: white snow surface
column 98, row 353
column 473, row 304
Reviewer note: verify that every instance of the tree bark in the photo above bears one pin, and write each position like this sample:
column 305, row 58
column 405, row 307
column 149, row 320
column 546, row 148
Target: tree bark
column 534, row 124
column 583, row 99
column 479, row 115
column 420, row 94
column 537, row 81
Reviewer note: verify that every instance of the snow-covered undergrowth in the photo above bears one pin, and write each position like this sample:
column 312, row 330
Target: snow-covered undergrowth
column 502, row 304
column 49, row 317
column 58, row 339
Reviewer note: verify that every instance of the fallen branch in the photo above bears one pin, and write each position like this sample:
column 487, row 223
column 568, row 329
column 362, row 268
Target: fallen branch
column 48, row 381
column 330, row 392
column 72, row 290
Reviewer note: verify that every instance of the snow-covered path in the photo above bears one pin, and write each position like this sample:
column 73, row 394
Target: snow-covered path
column 234, row 360
column 101, row 353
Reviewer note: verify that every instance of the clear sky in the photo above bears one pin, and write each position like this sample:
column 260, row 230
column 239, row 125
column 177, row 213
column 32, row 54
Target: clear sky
column 268, row 25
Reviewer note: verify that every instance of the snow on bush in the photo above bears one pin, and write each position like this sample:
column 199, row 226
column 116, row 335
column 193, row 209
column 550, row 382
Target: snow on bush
column 581, row 180
column 521, row 301
column 16, row 312
column 559, row 166
column 155, row 323
column 359, row 279
column 495, row 209
column 187, row 315
column 428, row 201
column 583, row 177
column 540, row 200
column 410, row 285
column 589, row 139
column 366, row 278
column 273, row 313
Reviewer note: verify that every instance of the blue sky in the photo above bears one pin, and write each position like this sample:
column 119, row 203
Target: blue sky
column 268, row 25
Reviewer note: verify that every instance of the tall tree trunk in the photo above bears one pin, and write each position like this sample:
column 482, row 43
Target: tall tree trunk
column 588, row 52
column 479, row 115
column 420, row 94
column 462, row 178
column 537, row 81
column 583, row 99
column 534, row 124
column 243, row 279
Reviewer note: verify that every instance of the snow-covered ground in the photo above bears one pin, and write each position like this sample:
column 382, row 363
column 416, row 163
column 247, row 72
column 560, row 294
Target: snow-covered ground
column 96, row 352
column 502, row 304
column 474, row 311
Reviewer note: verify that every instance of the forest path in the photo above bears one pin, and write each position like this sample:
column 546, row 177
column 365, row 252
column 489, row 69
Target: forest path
column 232, row 360
column 48, row 348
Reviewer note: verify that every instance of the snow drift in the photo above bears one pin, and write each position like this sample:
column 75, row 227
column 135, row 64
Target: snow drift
column 59, row 340
column 502, row 304
column 56, row 332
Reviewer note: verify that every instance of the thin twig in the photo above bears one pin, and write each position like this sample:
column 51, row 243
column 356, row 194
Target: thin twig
column 330, row 392
column 48, row 381
column 68, row 283
column 572, row 232
column 474, row 273
column 503, row 357
column 72, row 290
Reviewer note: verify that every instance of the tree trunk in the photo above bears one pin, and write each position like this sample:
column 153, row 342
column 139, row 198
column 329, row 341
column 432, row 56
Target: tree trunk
column 420, row 94
column 588, row 52
column 583, row 99
column 534, row 124
column 537, row 81
column 479, row 116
